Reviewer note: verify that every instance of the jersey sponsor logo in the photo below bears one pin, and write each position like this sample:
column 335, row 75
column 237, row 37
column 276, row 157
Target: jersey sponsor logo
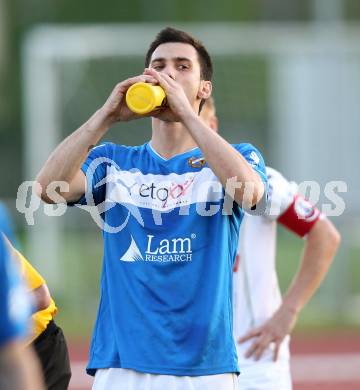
column 159, row 193
column 162, row 192
column 133, row 253
column 177, row 250
column 196, row 162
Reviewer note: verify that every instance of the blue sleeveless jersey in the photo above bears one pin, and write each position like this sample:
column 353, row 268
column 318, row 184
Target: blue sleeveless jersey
column 170, row 238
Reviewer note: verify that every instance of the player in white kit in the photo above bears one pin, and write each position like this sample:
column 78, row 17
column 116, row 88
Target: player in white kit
column 263, row 319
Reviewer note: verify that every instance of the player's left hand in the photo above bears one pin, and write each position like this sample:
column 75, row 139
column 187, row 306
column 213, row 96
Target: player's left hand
column 273, row 331
column 177, row 101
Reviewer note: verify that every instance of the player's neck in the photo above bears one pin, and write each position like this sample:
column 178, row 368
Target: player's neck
column 171, row 138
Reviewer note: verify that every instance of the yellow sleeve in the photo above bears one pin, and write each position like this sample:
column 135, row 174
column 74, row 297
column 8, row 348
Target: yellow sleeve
column 33, row 278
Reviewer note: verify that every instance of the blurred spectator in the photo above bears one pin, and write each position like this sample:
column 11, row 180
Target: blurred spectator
column 47, row 338
column 19, row 369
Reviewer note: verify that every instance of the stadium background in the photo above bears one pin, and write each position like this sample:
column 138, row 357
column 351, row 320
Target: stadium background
column 246, row 111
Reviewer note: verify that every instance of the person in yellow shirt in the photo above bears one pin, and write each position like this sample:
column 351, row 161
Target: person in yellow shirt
column 47, row 338
column 19, row 367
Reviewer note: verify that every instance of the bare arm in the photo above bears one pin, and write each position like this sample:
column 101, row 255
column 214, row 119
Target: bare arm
column 19, row 368
column 66, row 160
column 320, row 248
column 42, row 297
column 227, row 163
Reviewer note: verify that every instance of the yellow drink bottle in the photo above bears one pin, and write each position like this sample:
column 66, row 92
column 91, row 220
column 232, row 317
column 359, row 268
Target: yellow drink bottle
column 143, row 98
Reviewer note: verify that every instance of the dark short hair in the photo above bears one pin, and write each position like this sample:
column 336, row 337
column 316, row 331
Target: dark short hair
column 170, row 34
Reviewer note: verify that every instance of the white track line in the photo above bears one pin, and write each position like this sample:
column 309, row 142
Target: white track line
column 305, row 369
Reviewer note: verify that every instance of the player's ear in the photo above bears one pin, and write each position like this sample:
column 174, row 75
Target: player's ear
column 205, row 89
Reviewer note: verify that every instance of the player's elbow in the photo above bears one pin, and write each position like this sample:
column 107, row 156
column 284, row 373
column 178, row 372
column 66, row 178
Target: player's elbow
column 40, row 189
column 259, row 193
column 53, row 192
column 251, row 195
column 42, row 297
column 327, row 236
column 334, row 236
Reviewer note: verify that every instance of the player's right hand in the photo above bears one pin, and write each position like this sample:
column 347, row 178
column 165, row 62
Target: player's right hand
column 273, row 332
column 115, row 108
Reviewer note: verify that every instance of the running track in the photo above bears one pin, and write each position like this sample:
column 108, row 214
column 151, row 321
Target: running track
column 323, row 362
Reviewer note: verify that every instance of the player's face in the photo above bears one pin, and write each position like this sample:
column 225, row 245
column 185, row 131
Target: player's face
column 179, row 61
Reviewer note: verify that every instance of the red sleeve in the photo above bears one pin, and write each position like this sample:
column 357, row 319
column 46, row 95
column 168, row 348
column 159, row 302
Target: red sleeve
column 300, row 216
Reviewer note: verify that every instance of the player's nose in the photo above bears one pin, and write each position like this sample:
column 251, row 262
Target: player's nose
column 170, row 71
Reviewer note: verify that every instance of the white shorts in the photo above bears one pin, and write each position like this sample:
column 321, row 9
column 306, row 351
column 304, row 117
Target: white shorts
column 124, row 379
column 265, row 376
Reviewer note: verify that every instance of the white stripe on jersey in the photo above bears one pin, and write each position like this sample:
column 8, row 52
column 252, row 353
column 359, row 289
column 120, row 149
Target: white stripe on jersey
column 163, row 192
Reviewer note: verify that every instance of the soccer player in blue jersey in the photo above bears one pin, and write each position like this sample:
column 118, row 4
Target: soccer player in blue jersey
column 19, row 369
column 171, row 212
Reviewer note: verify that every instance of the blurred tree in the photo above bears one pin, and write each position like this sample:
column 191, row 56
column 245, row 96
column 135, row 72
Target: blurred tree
column 3, row 60
column 352, row 9
column 284, row 10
